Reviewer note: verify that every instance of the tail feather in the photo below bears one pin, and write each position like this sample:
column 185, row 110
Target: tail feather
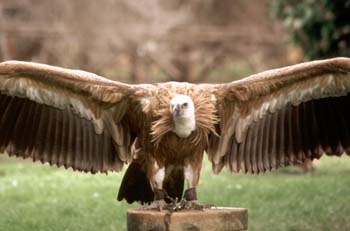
column 135, row 186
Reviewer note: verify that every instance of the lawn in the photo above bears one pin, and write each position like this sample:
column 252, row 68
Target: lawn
column 38, row 197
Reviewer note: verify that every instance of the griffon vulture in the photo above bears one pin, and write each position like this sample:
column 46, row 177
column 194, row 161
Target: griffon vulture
column 88, row 123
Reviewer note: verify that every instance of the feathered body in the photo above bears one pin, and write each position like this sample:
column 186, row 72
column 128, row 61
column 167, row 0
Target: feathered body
column 167, row 149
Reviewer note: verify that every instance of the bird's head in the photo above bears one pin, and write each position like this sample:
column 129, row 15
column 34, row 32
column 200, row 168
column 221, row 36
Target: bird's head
column 182, row 106
column 182, row 109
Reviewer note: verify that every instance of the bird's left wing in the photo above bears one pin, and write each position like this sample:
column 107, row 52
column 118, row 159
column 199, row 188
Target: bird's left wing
column 283, row 116
column 63, row 117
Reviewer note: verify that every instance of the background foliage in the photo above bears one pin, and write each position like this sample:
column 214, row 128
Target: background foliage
column 320, row 27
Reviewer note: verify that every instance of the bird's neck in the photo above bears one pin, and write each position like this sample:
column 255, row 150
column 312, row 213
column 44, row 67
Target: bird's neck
column 183, row 126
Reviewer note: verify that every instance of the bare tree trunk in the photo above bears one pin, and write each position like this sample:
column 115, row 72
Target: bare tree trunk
column 182, row 64
column 134, row 68
column 135, row 64
column 3, row 50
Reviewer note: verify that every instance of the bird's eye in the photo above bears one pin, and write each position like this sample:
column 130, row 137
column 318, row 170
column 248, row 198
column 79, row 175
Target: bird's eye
column 185, row 104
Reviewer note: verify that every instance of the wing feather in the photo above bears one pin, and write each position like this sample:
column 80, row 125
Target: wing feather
column 260, row 150
column 17, row 132
column 273, row 140
column 234, row 156
column 284, row 116
column 342, row 113
column 266, row 159
column 305, row 133
column 280, row 138
column 313, row 127
column 64, row 117
column 7, row 122
column 241, row 158
column 79, row 131
column 62, row 155
column 254, row 149
column 247, row 150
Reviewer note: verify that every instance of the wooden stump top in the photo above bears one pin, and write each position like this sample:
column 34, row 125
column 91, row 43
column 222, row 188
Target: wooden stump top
column 212, row 219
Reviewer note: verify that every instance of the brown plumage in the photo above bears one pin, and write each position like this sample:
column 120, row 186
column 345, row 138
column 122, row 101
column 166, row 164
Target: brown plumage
column 82, row 121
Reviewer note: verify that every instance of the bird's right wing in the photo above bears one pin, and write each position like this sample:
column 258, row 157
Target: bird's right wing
column 283, row 116
column 63, row 117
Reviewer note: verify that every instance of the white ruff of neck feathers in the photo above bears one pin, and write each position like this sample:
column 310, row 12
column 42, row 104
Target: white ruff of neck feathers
column 184, row 125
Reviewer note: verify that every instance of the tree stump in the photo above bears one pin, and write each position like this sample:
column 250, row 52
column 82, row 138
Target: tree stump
column 211, row 219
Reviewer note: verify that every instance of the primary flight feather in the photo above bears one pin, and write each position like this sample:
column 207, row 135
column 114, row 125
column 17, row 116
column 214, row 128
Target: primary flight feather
column 269, row 120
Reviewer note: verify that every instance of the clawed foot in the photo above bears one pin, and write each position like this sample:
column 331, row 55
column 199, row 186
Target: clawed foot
column 156, row 205
column 188, row 203
column 192, row 205
column 160, row 205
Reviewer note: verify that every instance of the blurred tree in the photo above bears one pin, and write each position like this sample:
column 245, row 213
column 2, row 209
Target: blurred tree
column 145, row 40
column 320, row 27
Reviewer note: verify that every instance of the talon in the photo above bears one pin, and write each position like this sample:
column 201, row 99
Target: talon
column 156, row 205
column 192, row 205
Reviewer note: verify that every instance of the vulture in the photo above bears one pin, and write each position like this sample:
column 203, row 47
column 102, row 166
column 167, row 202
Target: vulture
column 82, row 121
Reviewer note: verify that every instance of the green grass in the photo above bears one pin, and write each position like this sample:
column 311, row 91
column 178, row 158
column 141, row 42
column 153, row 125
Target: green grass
column 39, row 197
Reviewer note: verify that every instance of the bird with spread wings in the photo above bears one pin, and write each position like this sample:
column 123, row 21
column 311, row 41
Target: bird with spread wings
column 88, row 123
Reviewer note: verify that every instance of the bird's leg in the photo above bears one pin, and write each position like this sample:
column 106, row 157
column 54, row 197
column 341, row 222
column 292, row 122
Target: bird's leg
column 192, row 172
column 190, row 200
column 192, row 178
column 190, row 194
column 156, row 179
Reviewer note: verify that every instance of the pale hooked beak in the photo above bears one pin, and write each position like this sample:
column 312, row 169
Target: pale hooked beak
column 177, row 109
